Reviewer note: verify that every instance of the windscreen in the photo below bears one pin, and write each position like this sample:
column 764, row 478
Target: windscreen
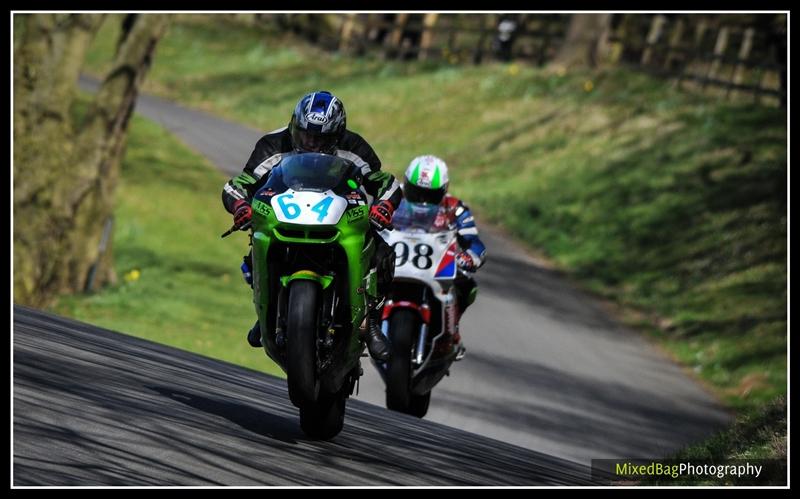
column 417, row 216
column 314, row 172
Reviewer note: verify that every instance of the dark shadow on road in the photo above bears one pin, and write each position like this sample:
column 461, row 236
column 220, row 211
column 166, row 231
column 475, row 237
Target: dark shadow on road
column 280, row 428
column 94, row 407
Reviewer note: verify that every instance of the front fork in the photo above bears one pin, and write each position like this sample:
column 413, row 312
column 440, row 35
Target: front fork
column 419, row 352
column 423, row 332
column 327, row 319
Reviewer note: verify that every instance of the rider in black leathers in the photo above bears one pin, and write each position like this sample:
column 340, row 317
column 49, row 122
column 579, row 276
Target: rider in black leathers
column 318, row 124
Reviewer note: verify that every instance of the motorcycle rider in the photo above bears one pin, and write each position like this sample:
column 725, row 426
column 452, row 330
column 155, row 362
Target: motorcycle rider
column 318, row 124
column 426, row 181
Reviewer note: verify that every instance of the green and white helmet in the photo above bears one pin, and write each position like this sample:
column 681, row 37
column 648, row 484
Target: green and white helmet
column 426, row 180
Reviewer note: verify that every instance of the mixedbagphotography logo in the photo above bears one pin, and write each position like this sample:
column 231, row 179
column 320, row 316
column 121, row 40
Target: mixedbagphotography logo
column 667, row 472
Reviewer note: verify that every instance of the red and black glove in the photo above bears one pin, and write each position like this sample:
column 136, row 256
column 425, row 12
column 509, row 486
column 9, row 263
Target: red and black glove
column 380, row 214
column 465, row 262
column 242, row 213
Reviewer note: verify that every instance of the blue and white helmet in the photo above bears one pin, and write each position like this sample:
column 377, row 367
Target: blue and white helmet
column 318, row 123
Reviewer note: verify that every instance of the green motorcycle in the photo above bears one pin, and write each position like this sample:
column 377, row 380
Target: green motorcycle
column 312, row 281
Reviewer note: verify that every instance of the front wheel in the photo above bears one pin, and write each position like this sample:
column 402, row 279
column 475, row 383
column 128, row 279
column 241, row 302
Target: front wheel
column 418, row 404
column 403, row 327
column 301, row 339
column 324, row 419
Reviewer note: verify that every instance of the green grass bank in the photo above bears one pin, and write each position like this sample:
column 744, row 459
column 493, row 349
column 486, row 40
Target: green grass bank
column 178, row 283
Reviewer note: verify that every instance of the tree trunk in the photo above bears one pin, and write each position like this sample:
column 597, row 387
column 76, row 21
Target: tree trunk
column 65, row 176
column 585, row 44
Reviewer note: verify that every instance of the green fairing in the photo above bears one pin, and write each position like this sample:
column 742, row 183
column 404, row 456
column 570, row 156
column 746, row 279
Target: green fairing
column 351, row 231
column 262, row 208
column 323, row 280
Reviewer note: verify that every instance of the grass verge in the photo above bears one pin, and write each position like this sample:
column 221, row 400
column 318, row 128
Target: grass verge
column 757, row 434
column 179, row 283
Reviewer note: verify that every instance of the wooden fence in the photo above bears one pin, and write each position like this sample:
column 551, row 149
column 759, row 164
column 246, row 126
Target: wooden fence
column 741, row 56
column 456, row 38
column 735, row 56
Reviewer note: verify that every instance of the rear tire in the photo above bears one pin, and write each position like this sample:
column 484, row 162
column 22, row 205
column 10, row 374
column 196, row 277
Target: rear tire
column 403, row 326
column 301, row 339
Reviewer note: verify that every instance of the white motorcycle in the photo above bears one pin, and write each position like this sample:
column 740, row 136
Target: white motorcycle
column 419, row 315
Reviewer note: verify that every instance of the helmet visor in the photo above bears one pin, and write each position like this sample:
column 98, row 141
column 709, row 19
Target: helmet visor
column 314, row 142
column 416, row 194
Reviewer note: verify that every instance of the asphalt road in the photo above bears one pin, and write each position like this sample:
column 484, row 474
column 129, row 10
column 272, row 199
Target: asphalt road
column 546, row 368
column 94, row 407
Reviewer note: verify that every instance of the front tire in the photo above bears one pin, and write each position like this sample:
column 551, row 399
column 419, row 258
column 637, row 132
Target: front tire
column 301, row 339
column 403, row 326
column 324, row 419
column 418, row 405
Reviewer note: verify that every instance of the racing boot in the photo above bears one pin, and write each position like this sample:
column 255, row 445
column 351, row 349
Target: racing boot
column 376, row 341
column 254, row 336
column 461, row 351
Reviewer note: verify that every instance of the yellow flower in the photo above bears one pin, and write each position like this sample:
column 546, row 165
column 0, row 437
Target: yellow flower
column 133, row 275
column 588, row 86
column 513, row 70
